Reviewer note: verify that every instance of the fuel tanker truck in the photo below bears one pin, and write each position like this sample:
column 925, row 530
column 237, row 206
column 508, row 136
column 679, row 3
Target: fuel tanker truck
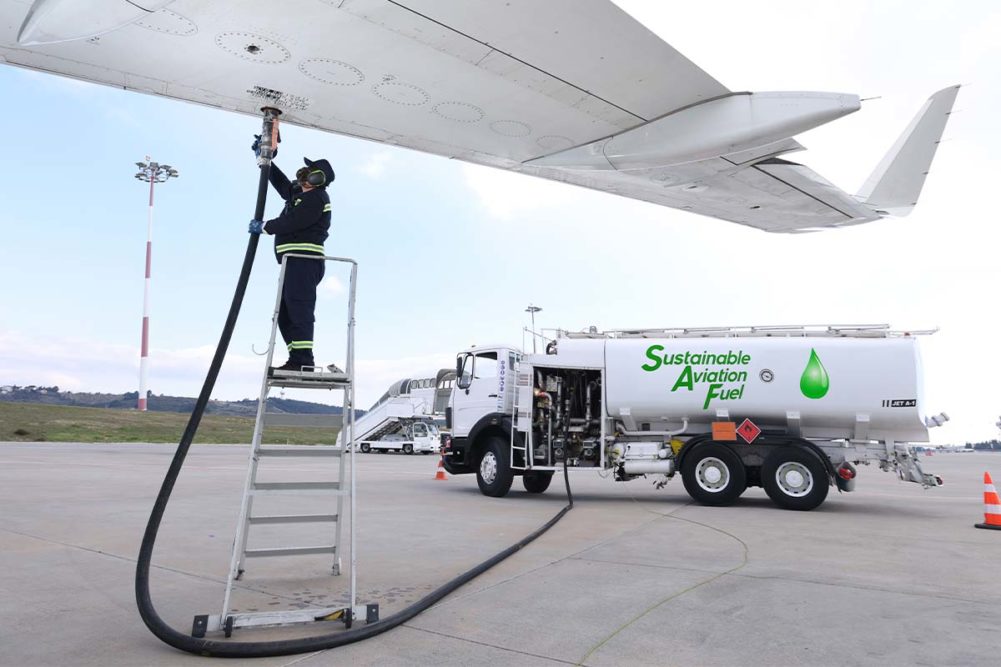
column 794, row 410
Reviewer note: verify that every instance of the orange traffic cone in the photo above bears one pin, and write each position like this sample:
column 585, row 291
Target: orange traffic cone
column 441, row 472
column 992, row 506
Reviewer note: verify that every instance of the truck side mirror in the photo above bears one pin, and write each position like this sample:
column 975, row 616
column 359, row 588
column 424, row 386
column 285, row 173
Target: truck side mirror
column 462, row 378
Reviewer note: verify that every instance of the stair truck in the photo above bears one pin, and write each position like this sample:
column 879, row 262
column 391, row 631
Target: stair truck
column 414, row 436
column 794, row 410
column 407, row 416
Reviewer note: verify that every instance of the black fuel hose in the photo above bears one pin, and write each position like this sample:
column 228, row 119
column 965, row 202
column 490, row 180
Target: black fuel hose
column 227, row 649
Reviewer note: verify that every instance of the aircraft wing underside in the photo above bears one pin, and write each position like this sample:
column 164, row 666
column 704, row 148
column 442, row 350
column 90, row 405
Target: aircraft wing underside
column 569, row 90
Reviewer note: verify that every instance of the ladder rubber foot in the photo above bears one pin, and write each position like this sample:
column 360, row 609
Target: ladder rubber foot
column 199, row 626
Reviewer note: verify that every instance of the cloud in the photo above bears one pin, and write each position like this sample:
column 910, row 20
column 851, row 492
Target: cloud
column 82, row 365
column 376, row 165
column 79, row 365
column 330, row 287
column 507, row 195
column 374, row 376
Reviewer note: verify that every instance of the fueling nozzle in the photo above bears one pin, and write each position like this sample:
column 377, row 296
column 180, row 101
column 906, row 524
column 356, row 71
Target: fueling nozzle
column 268, row 143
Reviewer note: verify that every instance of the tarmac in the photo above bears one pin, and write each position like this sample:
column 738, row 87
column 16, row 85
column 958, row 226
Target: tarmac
column 891, row 574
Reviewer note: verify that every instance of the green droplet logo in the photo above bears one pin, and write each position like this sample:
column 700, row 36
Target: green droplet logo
column 814, row 383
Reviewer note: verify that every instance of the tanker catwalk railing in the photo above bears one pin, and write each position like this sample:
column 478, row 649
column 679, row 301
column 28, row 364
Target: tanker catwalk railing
column 767, row 331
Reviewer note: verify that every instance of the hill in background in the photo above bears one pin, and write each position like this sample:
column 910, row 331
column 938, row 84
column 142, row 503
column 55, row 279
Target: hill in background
column 158, row 403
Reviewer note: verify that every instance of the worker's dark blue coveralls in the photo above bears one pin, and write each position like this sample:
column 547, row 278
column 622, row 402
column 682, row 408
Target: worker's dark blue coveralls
column 301, row 229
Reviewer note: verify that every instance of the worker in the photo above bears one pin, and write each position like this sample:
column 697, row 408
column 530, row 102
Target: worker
column 301, row 229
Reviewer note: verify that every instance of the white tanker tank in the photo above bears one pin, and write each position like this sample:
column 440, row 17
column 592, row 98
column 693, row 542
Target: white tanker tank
column 818, row 387
column 791, row 409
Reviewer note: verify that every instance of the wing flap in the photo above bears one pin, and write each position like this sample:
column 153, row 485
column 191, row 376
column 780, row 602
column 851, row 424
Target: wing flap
column 811, row 184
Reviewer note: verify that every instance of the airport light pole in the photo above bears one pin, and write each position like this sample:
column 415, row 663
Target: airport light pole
column 533, row 310
column 152, row 173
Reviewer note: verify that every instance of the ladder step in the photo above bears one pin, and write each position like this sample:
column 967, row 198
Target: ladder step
column 293, row 518
column 290, row 551
column 264, row 488
column 299, row 450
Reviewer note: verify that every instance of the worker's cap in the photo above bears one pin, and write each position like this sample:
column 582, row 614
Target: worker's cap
column 323, row 166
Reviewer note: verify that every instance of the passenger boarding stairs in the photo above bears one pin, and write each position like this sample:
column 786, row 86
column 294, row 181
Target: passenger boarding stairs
column 384, row 419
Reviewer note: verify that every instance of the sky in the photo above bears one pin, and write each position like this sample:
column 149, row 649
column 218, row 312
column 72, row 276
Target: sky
column 450, row 254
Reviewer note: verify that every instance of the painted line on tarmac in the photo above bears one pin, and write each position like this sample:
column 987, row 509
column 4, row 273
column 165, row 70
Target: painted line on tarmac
column 478, row 643
column 130, row 560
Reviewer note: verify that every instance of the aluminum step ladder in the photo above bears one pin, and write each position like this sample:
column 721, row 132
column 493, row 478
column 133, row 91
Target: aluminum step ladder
column 334, row 458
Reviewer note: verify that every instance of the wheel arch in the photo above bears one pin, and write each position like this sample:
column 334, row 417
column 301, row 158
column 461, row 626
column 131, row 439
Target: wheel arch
column 495, row 424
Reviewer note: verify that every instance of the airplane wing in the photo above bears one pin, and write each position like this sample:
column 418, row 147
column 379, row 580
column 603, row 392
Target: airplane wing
column 569, row 90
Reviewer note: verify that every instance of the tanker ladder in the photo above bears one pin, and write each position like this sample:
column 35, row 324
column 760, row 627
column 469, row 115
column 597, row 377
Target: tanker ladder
column 340, row 456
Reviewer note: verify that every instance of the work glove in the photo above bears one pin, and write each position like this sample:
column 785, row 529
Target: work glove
column 256, row 147
column 256, row 227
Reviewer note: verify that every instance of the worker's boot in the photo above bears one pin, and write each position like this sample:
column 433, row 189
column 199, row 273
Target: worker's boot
column 296, row 363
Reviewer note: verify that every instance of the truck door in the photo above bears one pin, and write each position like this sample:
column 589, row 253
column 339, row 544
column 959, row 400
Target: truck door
column 421, row 440
column 477, row 392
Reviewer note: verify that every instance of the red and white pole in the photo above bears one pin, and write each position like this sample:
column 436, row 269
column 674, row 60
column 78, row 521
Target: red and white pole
column 144, row 358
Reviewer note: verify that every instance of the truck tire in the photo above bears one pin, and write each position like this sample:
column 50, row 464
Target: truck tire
column 366, row 448
column 536, row 482
column 714, row 475
column 408, row 448
column 493, row 475
column 794, row 478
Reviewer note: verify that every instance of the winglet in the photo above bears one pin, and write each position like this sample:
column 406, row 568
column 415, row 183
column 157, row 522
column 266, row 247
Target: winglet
column 893, row 188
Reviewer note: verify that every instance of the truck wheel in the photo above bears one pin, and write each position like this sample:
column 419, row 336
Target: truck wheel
column 366, row 448
column 494, row 473
column 714, row 475
column 408, row 448
column 794, row 479
column 536, row 482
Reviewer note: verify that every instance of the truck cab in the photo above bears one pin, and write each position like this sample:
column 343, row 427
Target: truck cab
column 481, row 404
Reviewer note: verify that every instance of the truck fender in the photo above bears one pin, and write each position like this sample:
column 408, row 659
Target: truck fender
column 493, row 423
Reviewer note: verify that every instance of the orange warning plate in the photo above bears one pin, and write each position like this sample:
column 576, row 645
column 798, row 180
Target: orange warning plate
column 724, row 431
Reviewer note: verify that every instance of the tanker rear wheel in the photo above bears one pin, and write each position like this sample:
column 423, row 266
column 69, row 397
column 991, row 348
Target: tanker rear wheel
column 794, row 479
column 714, row 475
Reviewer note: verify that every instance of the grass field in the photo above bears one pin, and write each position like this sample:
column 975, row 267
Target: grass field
column 30, row 422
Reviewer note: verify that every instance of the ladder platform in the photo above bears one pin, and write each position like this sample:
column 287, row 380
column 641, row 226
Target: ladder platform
column 309, row 376
column 292, row 518
column 215, row 623
column 291, row 551
column 268, row 488
column 299, row 450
